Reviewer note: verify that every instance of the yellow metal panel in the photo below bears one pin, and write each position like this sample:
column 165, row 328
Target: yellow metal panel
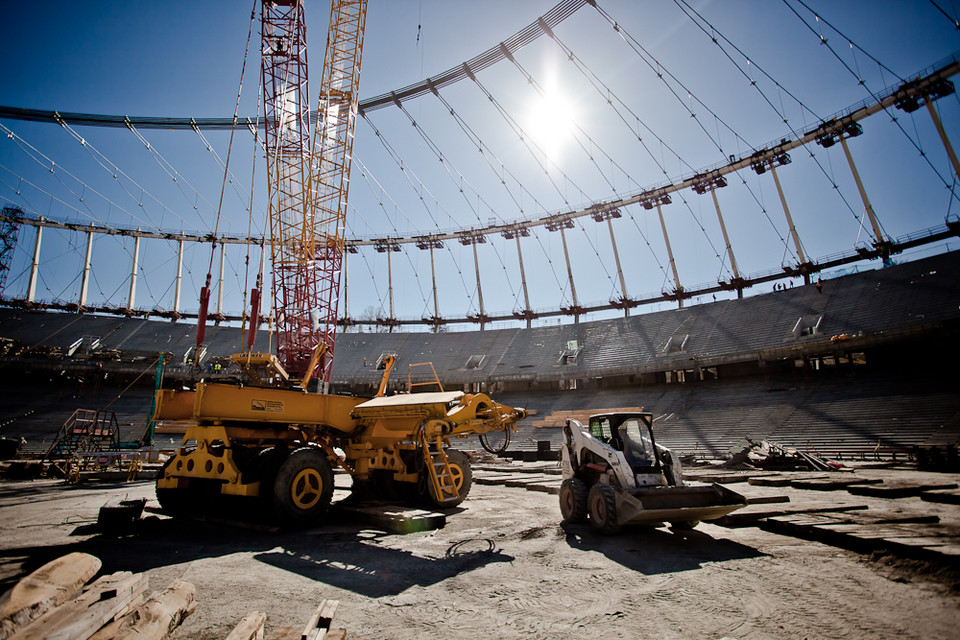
column 226, row 402
column 174, row 405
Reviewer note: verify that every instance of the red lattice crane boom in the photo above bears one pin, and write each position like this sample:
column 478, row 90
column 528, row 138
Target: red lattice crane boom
column 308, row 166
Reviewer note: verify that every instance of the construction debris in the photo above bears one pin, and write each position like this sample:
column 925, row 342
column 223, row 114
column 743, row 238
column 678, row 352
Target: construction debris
column 772, row 456
column 52, row 604
column 49, row 586
column 899, row 489
column 117, row 514
column 924, row 540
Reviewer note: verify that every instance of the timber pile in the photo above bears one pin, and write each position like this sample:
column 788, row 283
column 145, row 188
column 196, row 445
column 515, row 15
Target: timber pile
column 52, row 603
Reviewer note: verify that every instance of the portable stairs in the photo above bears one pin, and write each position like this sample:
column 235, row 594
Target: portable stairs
column 85, row 430
column 439, row 474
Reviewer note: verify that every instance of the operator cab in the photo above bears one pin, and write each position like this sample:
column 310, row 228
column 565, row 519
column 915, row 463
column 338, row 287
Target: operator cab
column 631, row 433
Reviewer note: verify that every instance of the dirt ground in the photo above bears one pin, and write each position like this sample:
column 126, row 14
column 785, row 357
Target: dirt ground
column 503, row 567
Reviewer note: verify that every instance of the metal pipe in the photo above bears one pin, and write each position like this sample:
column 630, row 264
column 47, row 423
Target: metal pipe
column 616, row 257
column 85, row 282
column 943, row 136
column 133, row 272
column 673, row 263
column 868, row 208
column 390, row 282
column 179, row 280
column 220, row 284
column 573, row 288
column 726, row 238
column 476, row 266
column 34, row 268
column 523, row 280
column 786, row 212
column 436, row 297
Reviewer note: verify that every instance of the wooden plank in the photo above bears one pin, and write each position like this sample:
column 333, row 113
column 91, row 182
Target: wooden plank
column 771, row 481
column 767, row 499
column 250, row 627
column 782, row 480
column 523, row 482
column 552, row 487
column 830, row 484
column 942, row 496
column 81, row 617
column 751, row 515
column 916, row 540
column 898, row 489
column 284, row 633
column 496, row 479
column 158, row 616
column 49, row 586
column 320, row 620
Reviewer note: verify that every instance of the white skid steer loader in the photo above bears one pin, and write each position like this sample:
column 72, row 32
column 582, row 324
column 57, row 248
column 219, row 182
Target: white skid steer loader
column 615, row 473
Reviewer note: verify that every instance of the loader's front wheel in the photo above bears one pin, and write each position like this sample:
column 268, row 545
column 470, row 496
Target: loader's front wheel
column 303, row 487
column 573, row 500
column 602, row 502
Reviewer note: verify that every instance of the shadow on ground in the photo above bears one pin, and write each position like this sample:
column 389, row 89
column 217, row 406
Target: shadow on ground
column 651, row 551
column 347, row 556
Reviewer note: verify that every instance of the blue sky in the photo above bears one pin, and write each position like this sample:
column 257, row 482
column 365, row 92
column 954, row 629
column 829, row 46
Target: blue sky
column 183, row 59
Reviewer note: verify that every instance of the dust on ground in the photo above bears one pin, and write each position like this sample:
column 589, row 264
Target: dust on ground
column 503, row 567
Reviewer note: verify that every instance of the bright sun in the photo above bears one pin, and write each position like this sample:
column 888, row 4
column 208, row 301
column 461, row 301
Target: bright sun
column 550, row 123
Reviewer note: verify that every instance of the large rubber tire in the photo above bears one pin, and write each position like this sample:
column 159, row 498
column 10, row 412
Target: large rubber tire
column 265, row 471
column 602, row 501
column 174, row 502
column 573, row 500
column 303, row 488
column 462, row 478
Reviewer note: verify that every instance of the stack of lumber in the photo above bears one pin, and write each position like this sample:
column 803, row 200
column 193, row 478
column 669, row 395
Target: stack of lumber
column 52, row 602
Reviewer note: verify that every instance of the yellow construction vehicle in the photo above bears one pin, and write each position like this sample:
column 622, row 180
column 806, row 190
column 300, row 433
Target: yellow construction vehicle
column 279, row 445
column 268, row 439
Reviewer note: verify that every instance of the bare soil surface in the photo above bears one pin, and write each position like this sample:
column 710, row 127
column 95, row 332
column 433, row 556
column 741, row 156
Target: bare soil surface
column 504, row 567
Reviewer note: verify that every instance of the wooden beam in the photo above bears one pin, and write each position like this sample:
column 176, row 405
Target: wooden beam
column 81, row 617
column 159, row 615
column 250, row 627
column 49, row 586
column 320, row 620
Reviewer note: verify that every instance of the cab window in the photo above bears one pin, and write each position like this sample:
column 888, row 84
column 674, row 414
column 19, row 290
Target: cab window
column 600, row 429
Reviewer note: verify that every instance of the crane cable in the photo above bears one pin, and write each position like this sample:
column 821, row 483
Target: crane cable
column 205, row 291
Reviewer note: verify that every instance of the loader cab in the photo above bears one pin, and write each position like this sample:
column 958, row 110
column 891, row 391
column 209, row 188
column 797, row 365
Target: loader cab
column 631, row 433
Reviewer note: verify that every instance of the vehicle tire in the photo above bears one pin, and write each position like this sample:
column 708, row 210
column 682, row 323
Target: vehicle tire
column 174, row 502
column 462, row 478
column 265, row 469
column 684, row 525
column 602, row 501
column 303, row 487
column 573, row 500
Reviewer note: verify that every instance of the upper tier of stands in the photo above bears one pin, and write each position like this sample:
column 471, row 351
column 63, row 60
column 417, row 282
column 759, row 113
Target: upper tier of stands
column 878, row 304
column 885, row 409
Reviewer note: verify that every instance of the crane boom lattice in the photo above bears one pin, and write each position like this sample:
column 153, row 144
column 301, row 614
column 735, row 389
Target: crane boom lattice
column 308, row 173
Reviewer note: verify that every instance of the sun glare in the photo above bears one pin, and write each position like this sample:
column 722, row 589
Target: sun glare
column 550, row 123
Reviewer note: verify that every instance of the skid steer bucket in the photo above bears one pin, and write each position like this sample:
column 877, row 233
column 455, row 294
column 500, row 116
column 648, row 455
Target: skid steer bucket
column 680, row 505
